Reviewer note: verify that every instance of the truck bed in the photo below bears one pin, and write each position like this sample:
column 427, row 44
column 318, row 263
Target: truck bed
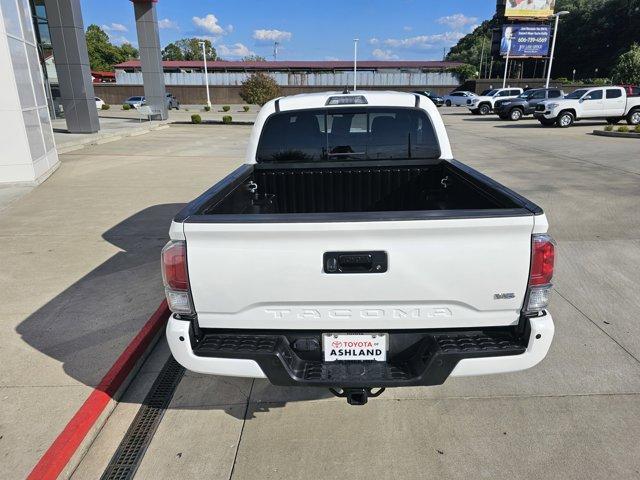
column 353, row 190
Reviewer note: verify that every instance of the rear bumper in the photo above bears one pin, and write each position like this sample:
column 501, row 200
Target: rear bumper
column 424, row 357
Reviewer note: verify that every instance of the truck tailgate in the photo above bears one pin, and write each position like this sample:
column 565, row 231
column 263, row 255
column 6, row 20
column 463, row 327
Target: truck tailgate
column 441, row 273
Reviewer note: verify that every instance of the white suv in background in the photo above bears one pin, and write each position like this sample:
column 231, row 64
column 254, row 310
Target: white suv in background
column 458, row 99
column 483, row 104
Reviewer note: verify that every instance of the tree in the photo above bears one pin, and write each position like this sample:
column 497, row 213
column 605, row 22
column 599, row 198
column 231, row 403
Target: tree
column 189, row 49
column 259, row 88
column 103, row 55
column 627, row 68
column 254, row 58
column 465, row 71
column 592, row 37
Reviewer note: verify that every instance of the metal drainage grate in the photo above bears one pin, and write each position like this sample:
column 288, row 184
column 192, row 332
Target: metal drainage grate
column 133, row 446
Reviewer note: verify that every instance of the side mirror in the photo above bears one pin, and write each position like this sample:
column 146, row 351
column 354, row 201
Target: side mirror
column 587, row 97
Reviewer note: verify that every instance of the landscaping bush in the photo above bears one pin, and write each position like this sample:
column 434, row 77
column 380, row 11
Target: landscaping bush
column 126, row 106
column 623, row 129
column 245, row 108
column 636, row 129
column 259, row 88
column 195, row 118
column 226, row 108
column 207, row 108
column 608, row 128
column 105, row 106
column 227, row 119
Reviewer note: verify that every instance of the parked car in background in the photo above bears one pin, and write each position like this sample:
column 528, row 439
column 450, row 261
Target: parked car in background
column 172, row 102
column 458, row 99
column 516, row 108
column 607, row 103
column 436, row 99
column 484, row 104
column 136, row 101
column 99, row 103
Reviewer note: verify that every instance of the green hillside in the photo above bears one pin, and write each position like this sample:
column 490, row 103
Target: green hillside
column 593, row 36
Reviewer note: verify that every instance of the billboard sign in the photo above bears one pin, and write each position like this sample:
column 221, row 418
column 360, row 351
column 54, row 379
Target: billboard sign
column 527, row 40
column 530, row 8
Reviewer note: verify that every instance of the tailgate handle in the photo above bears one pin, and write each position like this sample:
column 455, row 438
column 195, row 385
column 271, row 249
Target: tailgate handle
column 355, row 262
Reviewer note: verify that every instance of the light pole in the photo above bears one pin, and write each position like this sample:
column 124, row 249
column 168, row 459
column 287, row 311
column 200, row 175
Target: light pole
column 553, row 44
column 206, row 73
column 506, row 63
column 355, row 61
column 573, row 79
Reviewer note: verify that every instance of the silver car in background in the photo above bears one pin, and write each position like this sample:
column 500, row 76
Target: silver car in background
column 458, row 98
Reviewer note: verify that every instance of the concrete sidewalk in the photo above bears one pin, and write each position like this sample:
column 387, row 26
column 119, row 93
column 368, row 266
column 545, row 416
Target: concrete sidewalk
column 80, row 271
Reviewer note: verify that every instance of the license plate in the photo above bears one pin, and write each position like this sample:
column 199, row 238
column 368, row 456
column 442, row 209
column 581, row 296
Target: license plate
column 355, row 347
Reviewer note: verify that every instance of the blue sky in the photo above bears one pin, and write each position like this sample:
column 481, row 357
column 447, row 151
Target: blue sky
column 305, row 29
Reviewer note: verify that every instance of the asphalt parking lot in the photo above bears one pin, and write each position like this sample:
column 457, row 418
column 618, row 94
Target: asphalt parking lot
column 577, row 415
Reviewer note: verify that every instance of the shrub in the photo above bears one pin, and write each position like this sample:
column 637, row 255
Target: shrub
column 465, row 72
column 227, row 119
column 562, row 80
column 195, row 118
column 245, row 108
column 106, row 106
column 207, row 108
column 608, row 128
column 623, row 129
column 226, row 108
column 126, row 106
column 259, row 88
column 637, row 129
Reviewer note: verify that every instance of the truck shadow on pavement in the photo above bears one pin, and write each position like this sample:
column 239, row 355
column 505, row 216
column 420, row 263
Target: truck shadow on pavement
column 87, row 326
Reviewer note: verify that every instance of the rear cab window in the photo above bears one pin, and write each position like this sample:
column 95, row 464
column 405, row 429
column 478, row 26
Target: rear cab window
column 614, row 93
column 347, row 134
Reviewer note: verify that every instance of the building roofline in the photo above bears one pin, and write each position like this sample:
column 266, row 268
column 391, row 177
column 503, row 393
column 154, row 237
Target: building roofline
column 298, row 65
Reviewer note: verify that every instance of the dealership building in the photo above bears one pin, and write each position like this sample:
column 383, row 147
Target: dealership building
column 31, row 32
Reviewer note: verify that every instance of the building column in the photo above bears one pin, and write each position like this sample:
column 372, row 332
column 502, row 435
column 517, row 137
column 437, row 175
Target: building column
column 72, row 64
column 150, row 55
column 28, row 150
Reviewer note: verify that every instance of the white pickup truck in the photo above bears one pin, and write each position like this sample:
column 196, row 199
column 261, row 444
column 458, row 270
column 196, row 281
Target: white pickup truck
column 351, row 251
column 483, row 104
column 607, row 103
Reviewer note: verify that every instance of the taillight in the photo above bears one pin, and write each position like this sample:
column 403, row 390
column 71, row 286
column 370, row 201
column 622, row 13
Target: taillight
column 541, row 273
column 175, row 277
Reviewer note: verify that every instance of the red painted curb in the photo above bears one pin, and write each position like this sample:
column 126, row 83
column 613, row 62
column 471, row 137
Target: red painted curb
column 65, row 445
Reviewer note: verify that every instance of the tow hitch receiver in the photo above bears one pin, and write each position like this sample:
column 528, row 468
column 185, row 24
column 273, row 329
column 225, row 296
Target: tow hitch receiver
column 356, row 396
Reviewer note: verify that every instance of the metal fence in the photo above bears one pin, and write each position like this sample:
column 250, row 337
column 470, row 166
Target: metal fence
column 329, row 79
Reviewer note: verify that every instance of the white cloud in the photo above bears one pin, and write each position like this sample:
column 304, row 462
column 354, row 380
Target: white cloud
column 209, row 24
column 230, row 28
column 373, row 41
column 119, row 39
column 457, row 21
column 407, row 28
column 424, row 42
column 329, row 58
column 165, row 23
column 235, row 50
column 380, row 54
column 115, row 27
column 271, row 35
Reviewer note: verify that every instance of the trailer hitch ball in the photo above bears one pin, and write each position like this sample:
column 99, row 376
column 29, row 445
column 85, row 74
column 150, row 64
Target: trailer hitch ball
column 356, row 396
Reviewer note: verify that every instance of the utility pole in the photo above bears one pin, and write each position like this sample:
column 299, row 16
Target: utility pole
column 553, row 44
column 206, row 73
column 506, row 63
column 355, row 63
column 481, row 57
